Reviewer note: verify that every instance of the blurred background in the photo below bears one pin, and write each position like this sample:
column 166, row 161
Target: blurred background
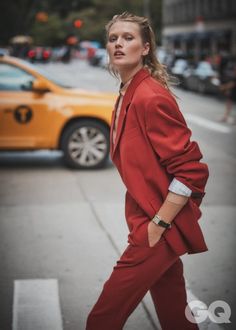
column 62, row 222
column 196, row 39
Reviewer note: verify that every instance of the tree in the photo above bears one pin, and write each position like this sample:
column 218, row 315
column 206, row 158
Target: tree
column 52, row 32
column 94, row 24
column 18, row 17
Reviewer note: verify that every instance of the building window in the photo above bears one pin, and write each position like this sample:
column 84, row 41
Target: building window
column 192, row 9
column 224, row 6
column 167, row 14
column 185, row 11
column 205, row 8
column 175, row 12
column 198, row 13
column 233, row 6
column 181, row 11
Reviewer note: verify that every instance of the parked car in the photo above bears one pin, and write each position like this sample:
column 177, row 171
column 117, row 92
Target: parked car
column 104, row 61
column 4, row 51
column 100, row 58
column 39, row 54
column 178, row 70
column 203, row 78
column 161, row 54
column 58, row 53
column 37, row 112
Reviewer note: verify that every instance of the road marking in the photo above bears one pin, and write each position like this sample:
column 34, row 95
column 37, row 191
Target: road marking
column 203, row 122
column 36, row 305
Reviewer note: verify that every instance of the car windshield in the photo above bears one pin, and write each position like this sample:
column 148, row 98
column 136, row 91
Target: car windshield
column 181, row 63
column 204, row 68
column 55, row 80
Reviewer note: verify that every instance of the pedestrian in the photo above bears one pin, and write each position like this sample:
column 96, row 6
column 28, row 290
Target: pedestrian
column 164, row 178
column 228, row 88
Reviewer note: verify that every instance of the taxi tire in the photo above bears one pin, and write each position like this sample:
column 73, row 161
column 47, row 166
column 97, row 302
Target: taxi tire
column 71, row 129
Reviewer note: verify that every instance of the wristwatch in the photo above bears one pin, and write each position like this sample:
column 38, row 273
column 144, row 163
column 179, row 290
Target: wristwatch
column 158, row 221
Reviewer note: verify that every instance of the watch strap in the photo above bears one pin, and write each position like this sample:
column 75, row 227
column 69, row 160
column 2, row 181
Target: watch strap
column 158, row 221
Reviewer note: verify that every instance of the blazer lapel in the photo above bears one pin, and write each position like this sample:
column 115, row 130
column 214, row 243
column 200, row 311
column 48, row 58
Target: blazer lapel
column 140, row 75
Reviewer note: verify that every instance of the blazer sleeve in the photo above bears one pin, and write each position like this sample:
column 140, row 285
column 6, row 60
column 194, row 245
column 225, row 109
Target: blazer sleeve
column 169, row 136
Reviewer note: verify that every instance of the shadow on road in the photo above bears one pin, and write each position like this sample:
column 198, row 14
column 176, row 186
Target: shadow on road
column 37, row 159
column 29, row 159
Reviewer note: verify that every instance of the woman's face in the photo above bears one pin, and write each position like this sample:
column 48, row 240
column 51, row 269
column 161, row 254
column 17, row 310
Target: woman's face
column 125, row 46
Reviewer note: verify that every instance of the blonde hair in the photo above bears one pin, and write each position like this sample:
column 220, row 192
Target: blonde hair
column 150, row 61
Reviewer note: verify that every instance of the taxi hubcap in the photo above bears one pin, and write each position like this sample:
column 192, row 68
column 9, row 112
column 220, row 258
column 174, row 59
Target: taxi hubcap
column 87, row 146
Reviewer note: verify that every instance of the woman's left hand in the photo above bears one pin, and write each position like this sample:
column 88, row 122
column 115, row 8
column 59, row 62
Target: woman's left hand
column 154, row 233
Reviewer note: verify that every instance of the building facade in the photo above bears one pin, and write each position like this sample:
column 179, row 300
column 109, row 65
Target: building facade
column 199, row 28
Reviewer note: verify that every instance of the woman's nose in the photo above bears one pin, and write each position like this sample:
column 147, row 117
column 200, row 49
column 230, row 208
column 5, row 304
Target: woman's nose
column 118, row 43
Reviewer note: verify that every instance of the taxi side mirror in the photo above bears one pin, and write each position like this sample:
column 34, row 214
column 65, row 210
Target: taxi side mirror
column 40, row 86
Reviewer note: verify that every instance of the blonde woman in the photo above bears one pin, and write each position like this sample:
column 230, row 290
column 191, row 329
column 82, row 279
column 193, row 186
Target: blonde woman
column 164, row 178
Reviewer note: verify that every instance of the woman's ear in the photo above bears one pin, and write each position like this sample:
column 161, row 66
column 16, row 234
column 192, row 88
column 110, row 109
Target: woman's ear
column 146, row 49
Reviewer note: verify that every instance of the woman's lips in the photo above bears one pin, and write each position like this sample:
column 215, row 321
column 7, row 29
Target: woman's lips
column 118, row 53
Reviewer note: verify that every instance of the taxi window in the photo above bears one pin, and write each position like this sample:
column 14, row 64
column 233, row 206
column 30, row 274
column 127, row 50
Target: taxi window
column 14, row 79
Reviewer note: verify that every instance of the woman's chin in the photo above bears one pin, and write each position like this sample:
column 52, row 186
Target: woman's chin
column 121, row 66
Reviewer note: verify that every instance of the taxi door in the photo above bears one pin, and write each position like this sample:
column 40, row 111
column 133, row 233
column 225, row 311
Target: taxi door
column 26, row 118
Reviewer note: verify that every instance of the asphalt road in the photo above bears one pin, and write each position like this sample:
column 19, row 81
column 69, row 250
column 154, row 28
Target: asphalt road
column 68, row 226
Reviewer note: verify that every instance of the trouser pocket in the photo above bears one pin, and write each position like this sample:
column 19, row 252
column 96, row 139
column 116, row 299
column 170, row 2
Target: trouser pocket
column 139, row 235
column 153, row 240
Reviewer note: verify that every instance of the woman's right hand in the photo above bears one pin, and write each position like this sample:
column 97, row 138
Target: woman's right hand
column 154, row 233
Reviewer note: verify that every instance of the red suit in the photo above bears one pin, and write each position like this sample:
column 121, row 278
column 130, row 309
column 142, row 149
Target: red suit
column 152, row 147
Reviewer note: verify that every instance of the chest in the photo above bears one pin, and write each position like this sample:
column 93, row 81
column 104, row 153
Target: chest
column 133, row 139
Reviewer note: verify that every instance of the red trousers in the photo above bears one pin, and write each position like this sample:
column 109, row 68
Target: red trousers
column 140, row 269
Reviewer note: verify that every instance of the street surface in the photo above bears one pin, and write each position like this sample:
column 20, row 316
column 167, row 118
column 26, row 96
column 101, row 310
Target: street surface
column 62, row 230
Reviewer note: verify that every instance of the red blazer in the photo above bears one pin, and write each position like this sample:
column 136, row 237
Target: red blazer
column 152, row 147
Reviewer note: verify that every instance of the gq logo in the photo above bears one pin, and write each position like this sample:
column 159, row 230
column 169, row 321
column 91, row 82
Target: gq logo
column 218, row 312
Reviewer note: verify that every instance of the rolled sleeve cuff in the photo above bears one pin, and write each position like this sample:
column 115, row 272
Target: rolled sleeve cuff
column 179, row 188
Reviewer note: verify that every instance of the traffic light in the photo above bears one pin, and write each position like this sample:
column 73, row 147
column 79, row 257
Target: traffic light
column 72, row 40
column 42, row 17
column 78, row 23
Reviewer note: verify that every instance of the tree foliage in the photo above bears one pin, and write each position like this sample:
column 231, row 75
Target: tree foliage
column 19, row 17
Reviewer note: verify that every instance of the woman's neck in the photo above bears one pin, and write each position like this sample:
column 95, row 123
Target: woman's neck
column 126, row 75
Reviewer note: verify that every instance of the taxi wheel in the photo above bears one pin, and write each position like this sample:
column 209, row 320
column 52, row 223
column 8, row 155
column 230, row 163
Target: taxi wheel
column 86, row 144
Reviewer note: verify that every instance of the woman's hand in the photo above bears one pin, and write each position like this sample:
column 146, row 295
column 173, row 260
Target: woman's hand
column 168, row 210
column 154, row 233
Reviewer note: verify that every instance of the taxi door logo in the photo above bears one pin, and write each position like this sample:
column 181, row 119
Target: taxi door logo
column 23, row 114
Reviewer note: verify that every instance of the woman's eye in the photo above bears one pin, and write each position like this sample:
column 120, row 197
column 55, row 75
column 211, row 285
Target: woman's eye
column 112, row 39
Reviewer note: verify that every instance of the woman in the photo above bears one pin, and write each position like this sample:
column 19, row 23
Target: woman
column 151, row 148
column 229, row 91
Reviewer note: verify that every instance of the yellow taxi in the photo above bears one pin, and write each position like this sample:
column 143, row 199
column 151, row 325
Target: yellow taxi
column 37, row 112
